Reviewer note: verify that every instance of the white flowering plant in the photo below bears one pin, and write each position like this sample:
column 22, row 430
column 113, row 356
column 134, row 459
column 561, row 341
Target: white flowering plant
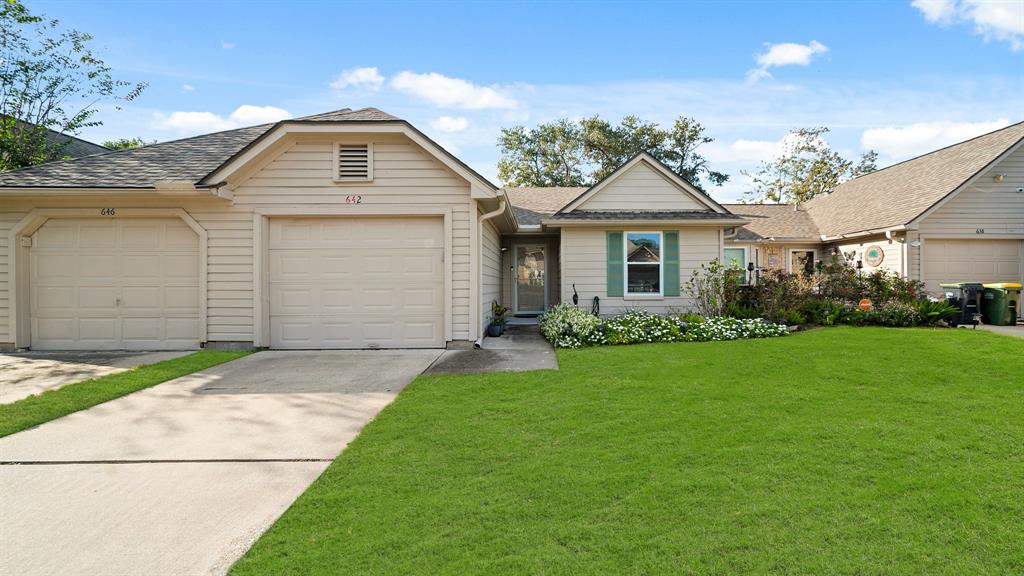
column 567, row 326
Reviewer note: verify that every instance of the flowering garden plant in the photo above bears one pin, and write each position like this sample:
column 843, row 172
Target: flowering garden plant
column 567, row 326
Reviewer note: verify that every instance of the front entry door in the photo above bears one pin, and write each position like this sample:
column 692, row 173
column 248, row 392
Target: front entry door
column 530, row 271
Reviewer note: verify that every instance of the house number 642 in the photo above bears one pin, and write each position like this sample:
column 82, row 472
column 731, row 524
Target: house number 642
column 353, row 199
column 107, row 212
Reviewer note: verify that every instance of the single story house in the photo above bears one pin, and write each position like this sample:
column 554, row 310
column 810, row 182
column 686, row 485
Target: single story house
column 352, row 229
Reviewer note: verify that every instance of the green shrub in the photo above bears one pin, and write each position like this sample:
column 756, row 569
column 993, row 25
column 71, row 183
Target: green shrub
column 567, row 326
column 823, row 312
column 898, row 314
column 932, row 312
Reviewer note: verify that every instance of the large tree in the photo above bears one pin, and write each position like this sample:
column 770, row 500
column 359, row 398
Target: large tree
column 49, row 79
column 126, row 143
column 582, row 152
column 806, row 167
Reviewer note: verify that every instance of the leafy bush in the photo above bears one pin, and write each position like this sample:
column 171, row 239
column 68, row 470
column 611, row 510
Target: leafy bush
column 567, row 326
column 713, row 288
column 825, row 312
column 898, row 314
column 778, row 294
column 932, row 312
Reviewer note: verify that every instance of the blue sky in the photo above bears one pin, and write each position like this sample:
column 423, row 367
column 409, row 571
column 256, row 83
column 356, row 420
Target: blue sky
column 898, row 76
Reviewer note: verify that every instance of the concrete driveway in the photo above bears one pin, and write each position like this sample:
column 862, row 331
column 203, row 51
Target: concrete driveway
column 25, row 374
column 183, row 477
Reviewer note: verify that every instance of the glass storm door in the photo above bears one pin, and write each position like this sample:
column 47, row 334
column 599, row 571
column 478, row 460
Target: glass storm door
column 530, row 270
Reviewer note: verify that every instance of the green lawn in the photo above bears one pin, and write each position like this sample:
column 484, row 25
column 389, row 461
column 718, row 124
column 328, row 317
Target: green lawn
column 838, row 451
column 53, row 404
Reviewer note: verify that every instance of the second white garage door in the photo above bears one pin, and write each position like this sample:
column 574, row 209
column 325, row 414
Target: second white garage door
column 356, row 283
column 970, row 261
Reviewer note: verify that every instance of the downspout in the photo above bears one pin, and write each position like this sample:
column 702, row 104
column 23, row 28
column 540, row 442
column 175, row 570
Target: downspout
column 483, row 218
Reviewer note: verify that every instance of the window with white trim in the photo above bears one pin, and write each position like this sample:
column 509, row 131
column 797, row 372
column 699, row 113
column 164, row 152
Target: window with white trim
column 353, row 162
column 735, row 262
column 643, row 263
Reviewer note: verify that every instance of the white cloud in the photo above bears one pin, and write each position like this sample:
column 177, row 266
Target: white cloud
column 1001, row 20
column 227, row 45
column 450, row 124
column 784, row 54
column 366, row 78
column 446, row 92
column 203, row 122
column 188, row 88
column 915, row 139
column 938, row 11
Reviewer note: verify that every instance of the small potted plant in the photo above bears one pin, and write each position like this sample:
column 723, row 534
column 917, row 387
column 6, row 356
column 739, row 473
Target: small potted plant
column 498, row 319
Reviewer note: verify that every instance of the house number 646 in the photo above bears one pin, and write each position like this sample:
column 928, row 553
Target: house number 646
column 107, row 212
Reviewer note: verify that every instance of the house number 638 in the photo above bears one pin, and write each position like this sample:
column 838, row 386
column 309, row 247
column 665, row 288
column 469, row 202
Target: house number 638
column 107, row 212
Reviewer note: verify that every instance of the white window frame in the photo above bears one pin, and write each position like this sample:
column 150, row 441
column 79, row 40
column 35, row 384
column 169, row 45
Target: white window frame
column 369, row 163
column 661, row 266
column 743, row 264
column 789, row 256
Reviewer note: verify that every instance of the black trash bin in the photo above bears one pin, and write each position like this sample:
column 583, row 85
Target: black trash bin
column 966, row 296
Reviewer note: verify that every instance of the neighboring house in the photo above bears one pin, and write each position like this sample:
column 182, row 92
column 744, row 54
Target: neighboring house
column 351, row 229
column 955, row 214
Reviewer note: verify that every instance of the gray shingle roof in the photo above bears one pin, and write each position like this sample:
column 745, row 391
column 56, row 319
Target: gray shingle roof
column 189, row 159
column 898, row 194
column 779, row 221
column 599, row 215
column 533, row 204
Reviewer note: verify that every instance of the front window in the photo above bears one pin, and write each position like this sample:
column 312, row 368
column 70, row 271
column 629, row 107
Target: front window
column 736, row 263
column 643, row 263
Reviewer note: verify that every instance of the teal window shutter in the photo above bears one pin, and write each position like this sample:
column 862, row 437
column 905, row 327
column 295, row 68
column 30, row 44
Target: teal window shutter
column 670, row 262
column 616, row 263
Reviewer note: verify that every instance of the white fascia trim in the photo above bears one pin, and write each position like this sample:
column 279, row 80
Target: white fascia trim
column 478, row 188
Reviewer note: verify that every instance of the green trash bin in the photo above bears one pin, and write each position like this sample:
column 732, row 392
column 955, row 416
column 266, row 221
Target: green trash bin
column 1000, row 303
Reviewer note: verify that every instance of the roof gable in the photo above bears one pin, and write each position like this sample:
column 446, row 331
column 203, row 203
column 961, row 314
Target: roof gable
column 899, row 194
column 641, row 184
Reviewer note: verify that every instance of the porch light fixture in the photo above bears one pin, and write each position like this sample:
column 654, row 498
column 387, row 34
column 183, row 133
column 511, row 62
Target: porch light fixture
column 997, row 178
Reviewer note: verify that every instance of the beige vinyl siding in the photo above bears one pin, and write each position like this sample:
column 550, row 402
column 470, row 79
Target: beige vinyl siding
column 996, row 208
column 893, row 253
column 7, row 222
column 300, row 178
column 641, row 188
column 490, row 271
column 584, row 262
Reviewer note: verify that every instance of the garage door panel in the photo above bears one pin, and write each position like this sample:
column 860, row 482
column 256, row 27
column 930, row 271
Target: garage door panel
column 356, row 283
column 970, row 261
column 114, row 284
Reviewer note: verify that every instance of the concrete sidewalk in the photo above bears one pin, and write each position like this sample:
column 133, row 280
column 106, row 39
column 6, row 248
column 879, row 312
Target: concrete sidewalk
column 520, row 348
column 183, row 477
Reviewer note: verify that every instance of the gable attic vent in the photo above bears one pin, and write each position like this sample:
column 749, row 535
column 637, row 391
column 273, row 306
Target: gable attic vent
column 353, row 162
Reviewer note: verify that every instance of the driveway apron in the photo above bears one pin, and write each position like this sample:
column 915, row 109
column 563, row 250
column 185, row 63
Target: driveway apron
column 183, row 477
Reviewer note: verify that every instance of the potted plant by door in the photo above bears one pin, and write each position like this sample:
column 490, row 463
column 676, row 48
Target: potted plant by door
column 498, row 320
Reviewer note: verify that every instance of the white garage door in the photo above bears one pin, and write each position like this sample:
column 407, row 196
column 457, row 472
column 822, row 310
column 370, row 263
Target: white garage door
column 356, row 283
column 105, row 284
column 970, row 261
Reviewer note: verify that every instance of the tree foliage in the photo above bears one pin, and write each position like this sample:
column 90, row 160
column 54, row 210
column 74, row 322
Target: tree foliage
column 125, row 143
column 49, row 79
column 582, row 152
column 807, row 167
